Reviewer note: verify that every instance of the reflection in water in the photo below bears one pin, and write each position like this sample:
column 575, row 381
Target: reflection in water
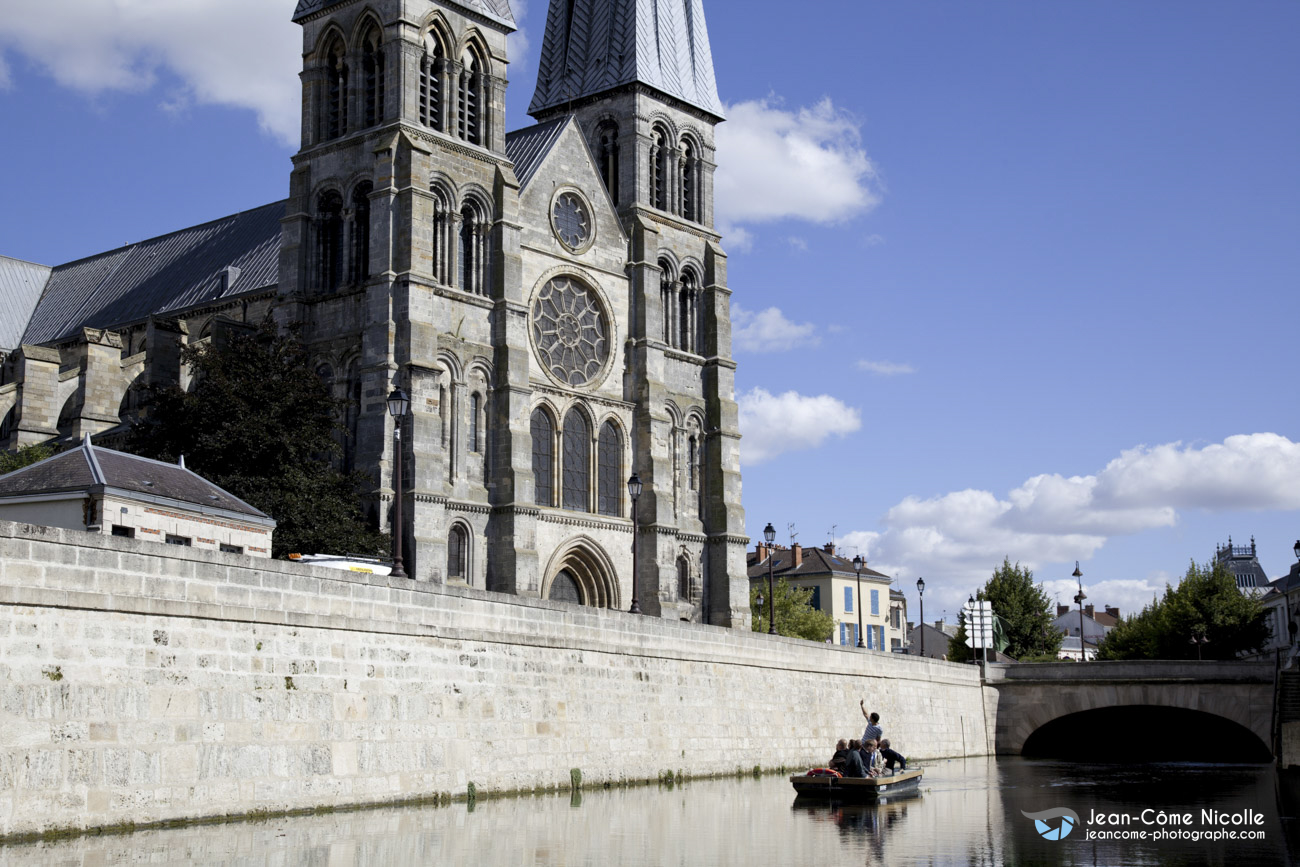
column 968, row 811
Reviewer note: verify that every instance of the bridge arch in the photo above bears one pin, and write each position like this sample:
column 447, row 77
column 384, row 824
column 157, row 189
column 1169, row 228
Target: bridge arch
column 1145, row 733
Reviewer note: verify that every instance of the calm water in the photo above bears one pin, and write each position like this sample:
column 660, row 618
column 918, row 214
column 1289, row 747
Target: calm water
column 968, row 812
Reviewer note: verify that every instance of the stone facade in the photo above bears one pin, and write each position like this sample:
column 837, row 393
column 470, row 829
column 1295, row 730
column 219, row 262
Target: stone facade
column 422, row 247
column 140, row 684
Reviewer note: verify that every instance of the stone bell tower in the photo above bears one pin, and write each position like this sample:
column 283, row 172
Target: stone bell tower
column 638, row 78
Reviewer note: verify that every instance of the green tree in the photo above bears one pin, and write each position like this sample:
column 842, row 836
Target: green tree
column 1205, row 604
column 958, row 649
column 795, row 615
column 25, row 456
column 1025, row 613
column 260, row 423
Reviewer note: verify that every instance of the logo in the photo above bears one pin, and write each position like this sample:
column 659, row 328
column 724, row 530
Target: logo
column 1068, row 818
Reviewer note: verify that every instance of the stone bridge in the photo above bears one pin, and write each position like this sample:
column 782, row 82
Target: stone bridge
column 1211, row 711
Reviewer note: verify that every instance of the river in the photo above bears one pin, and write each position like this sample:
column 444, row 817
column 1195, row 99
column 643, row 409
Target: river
column 968, row 811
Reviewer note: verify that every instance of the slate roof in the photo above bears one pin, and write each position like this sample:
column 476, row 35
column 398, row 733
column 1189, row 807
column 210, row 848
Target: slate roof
column 172, row 272
column 609, row 43
column 92, row 468
column 528, row 147
column 815, row 562
column 497, row 10
column 20, row 288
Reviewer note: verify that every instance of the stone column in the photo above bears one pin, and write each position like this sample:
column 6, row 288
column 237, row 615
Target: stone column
column 100, row 387
column 36, row 368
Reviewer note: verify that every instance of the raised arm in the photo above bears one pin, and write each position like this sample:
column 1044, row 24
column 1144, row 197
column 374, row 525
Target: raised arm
column 862, row 705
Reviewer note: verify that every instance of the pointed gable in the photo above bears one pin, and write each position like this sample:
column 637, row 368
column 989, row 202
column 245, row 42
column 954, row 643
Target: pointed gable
column 591, row 46
column 496, row 10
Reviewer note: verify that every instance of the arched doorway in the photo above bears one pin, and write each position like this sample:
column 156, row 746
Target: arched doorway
column 581, row 573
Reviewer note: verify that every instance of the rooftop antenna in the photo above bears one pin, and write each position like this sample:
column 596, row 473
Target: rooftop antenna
column 833, row 528
column 793, row 535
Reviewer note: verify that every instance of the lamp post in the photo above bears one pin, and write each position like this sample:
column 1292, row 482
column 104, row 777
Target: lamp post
column 858, row 563
column 634, row 491
column 769, row 535
column 920, row 592
column 1198, row 640
column 398, row 404
column 1079, row 597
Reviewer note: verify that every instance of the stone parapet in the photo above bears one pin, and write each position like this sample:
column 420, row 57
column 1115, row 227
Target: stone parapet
column 142, row 685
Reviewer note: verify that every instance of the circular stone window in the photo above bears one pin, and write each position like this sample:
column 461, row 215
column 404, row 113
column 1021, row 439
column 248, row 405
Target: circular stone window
column 570, row 331
column 572, row 220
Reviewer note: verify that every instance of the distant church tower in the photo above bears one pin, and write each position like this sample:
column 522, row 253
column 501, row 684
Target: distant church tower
column 553, row 300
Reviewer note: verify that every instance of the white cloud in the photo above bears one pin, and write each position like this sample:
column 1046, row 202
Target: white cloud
column 873, row 240
column 807, row 164
column 241, row 53
column 798, row 244
column 885, row 368
column 517, row 43
column 5, row 80
column 774, row 424
column 769, row 331
column 960, row 537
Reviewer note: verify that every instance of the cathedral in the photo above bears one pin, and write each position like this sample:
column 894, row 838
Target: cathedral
column 553, row 299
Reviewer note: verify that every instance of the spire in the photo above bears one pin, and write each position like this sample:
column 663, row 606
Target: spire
column 592, row 46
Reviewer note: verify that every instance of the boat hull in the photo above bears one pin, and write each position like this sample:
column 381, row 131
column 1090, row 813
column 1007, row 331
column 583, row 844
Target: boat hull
column 856, row 789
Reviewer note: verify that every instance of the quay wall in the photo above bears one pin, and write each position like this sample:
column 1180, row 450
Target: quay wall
column 144, row 683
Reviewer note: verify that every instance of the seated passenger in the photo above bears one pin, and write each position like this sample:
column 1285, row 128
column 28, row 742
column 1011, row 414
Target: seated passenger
column 872, row 761
column 853, row 766
column 841, row 754
column 892, row 757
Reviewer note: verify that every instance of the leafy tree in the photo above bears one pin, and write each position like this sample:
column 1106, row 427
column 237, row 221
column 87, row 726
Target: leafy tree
column 25, row 456
column 1025, row 613
column 795, row 615
column 1205, row 604
column 260, row 423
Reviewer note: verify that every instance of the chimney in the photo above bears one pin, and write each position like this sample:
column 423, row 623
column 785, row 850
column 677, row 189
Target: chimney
column 1062, row 609
column 1088, row 609
column 938, row 624
column 796, row 551
column 1113, row 612
column 829, row 548
column 761, row 550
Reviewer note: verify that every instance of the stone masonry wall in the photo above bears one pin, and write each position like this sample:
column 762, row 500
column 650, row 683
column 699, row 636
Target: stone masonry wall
column 140, row 683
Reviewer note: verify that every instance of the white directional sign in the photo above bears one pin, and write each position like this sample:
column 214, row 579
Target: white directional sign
column 979, row 624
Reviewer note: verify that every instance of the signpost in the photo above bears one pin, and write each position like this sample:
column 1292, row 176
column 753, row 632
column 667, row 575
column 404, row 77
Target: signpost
column 979, row 625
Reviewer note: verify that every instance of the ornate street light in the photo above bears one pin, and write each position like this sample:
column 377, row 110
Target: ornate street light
column 769, row 534
column 398, row 405
column 1078, row 599
column 634, row 491
column 1198, row 640
column 1297, row 549
column 858, row 563
column 920, row 591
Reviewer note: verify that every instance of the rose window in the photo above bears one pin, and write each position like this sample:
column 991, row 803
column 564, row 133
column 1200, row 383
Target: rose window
column 570, row 331
column 572, row 220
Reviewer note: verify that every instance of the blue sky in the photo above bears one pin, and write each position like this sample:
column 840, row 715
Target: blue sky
column 1011, row 279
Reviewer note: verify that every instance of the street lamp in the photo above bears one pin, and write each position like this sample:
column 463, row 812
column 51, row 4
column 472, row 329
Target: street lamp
column 398, row 404
column 920, row 591
column 858, row 563
column 1078, row 599
column 769, row 534
column 634, row 491
column 1198, row 640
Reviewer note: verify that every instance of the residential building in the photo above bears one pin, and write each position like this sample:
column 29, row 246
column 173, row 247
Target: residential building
column 933, row 638
column 834, row 585
column 113, row 493
column 1095, row 626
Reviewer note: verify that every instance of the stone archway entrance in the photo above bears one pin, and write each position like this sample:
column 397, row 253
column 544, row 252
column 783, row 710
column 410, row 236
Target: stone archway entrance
column 581, row 573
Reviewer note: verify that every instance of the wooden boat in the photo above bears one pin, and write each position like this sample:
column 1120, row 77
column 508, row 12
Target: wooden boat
column 856, row 788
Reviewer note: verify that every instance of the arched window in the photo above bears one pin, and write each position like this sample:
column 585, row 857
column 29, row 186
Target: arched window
column 564, row 588
column 475, row 407
column 361, row 232
column 687, row 315
column 607, row 156
column 659, row 169
column 329, row 241
column 372, row 70
column 690, row 179
column 668, row 299
column 692, row 462
column 336, row 91
column 457, row 553
column 577, row 462
column 443, row 235
column 543, row 458
column 471, row 88
column 432, row 70
column 474, row 235
column 609, row 471
column 683, row 578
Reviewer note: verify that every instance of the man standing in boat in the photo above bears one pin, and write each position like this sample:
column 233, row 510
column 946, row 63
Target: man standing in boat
column 872, row 732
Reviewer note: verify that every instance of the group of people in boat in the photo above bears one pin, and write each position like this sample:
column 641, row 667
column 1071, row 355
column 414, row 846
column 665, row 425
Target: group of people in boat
column 868, row 756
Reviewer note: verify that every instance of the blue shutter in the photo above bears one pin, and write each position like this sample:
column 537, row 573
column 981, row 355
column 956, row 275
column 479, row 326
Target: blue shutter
column 871, row 635
column 816, row 600
column 875, row 601
column 841, row 633
column 855, row 635
column 848, row 598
